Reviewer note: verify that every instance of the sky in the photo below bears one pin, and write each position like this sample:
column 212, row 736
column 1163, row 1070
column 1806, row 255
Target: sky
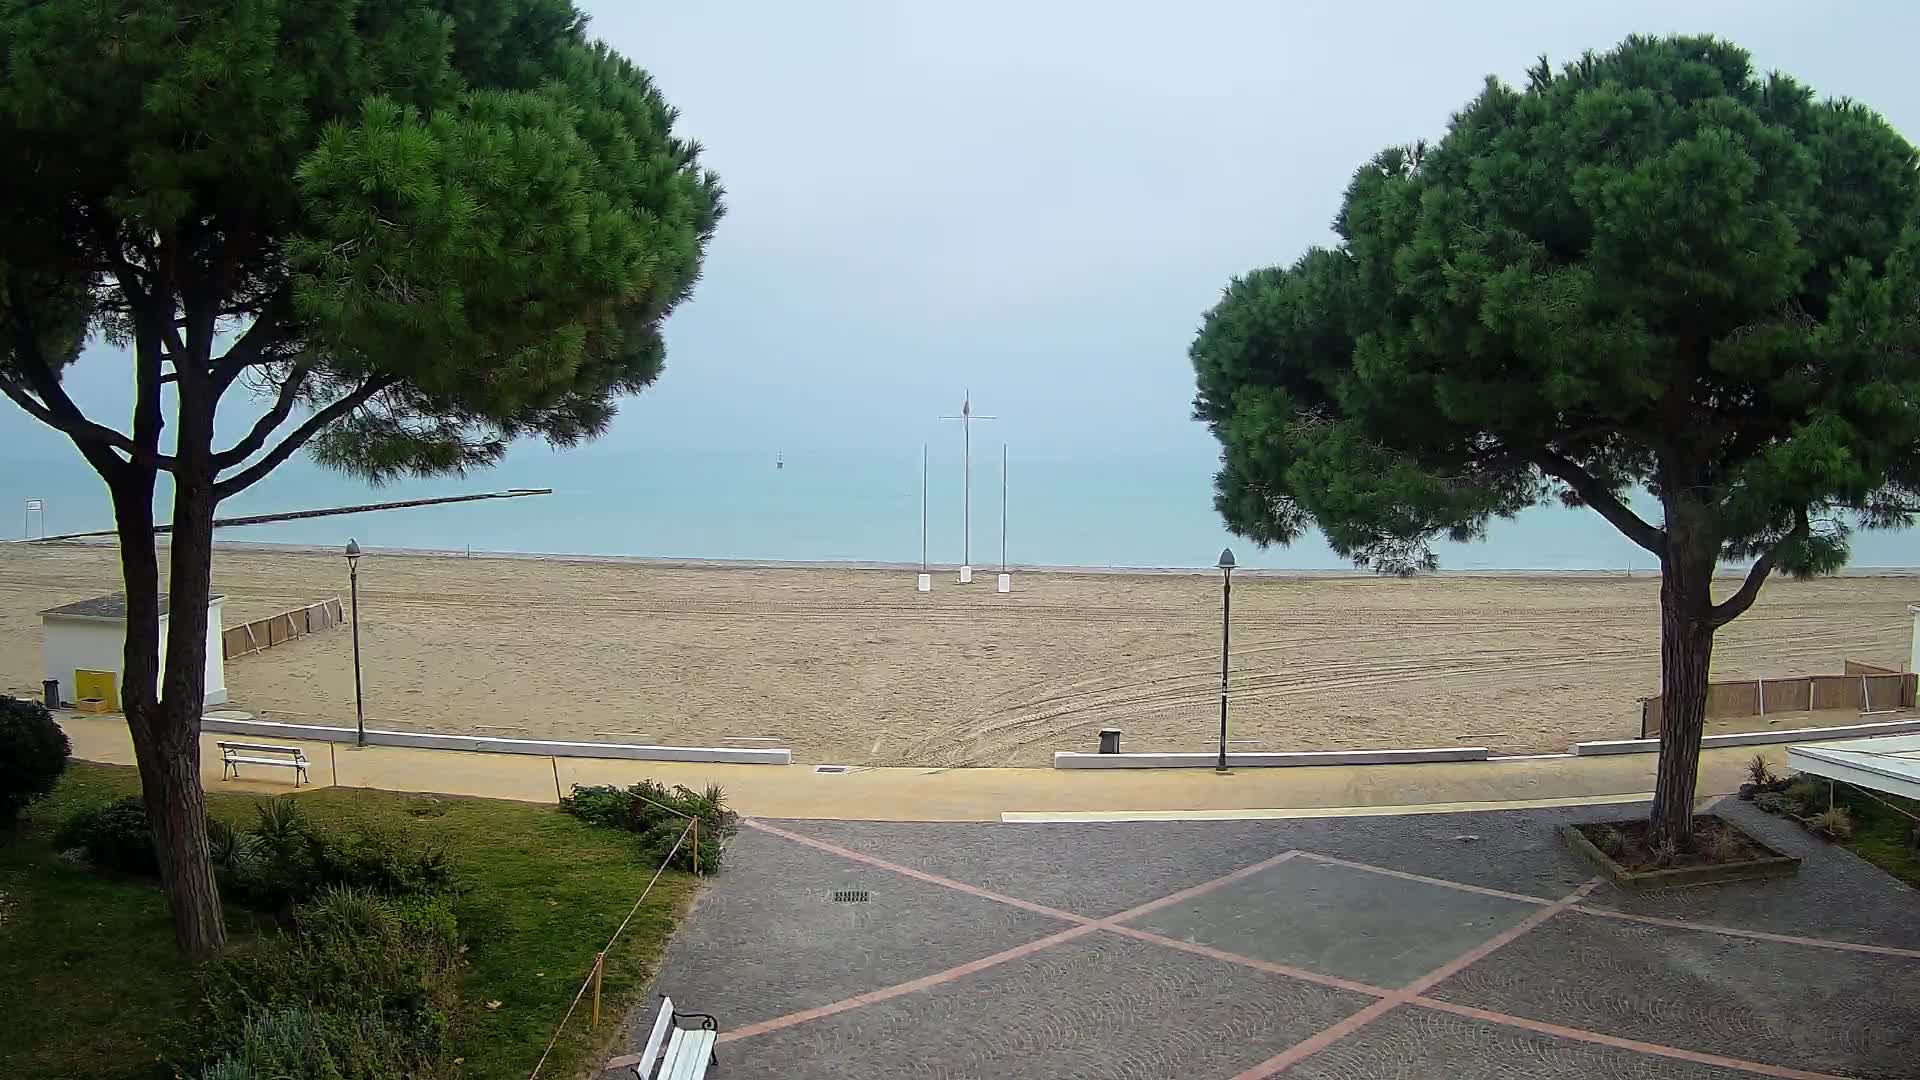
column 1038, row 201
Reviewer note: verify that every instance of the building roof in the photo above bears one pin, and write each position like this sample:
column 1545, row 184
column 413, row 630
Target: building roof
column 1890, row 763
column 111, row 606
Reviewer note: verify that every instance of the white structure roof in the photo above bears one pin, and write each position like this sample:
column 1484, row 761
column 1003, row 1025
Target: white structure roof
column 1890, row 764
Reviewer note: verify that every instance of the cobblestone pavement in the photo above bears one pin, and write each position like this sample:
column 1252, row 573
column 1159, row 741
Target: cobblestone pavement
column 1464, row 946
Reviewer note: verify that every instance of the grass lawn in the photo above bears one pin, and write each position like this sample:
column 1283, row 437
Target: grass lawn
column 1881, row 835
column 541, row 893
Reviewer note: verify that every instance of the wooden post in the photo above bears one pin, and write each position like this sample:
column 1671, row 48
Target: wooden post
column 599, row 965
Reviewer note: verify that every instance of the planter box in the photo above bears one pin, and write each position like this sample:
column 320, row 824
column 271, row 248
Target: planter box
column 1774, row 865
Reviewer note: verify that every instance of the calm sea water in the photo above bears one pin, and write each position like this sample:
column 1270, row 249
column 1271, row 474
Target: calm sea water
column 1153, row 512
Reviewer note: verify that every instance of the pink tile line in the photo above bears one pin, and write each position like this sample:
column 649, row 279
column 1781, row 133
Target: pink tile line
column 1655, row 1049
column 1085, row 926
column 1326, row 1037
column 1608, row 913
column 1389, row 998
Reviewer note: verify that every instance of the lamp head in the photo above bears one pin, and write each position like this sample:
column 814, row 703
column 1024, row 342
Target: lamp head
column 353, row 552
column 1226, row 559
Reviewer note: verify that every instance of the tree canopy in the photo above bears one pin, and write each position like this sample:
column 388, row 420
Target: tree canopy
column 1653, row 268
column 434, row 225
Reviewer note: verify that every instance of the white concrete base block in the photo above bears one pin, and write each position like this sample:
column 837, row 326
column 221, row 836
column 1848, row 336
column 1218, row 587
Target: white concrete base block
column 1004, row 583
column 1754, row 738
column 1066, row 759
column 924, row 583
column 487, row 744
column 966, row 575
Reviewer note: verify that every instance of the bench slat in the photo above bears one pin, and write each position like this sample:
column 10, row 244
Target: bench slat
column 282, row 762
column 263, row 747
column 696, row 1050
column 670, row 1061
column 643, row 1069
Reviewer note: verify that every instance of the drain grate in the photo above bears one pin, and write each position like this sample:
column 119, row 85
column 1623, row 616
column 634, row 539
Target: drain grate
column 830, row 768
column 851, row 896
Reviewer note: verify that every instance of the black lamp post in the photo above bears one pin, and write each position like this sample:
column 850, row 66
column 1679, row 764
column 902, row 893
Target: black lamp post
column 1226, row 640
column 353, row 587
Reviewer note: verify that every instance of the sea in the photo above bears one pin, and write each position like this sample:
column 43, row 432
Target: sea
column 1145, row 511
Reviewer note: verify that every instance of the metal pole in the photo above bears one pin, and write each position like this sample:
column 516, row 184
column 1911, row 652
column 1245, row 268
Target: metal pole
column 1226, row 643
column 923, row 508
column 966, row 442
column 359, row 705
column 1003, row 508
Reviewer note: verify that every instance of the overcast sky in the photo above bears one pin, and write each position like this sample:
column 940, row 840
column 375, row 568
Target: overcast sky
column 1039, row 200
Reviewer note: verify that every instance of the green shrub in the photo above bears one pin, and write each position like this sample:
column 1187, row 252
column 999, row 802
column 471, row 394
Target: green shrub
column 659, row 815
column 114, row 835
column 285, row 860
column 362, row 986
column 1808, row 796
column 33, row 754
column 1834, row 823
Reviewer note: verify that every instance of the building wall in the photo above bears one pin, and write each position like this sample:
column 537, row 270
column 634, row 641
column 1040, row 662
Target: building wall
column 68, row 643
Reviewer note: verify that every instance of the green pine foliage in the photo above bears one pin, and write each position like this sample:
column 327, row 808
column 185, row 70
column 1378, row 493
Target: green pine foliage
column 33, row 754
column 1653, row 268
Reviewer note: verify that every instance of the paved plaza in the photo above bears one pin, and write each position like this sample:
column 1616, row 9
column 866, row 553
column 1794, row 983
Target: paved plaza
column 1465, row 946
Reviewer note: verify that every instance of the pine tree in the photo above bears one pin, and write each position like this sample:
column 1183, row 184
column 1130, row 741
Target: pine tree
column 1652, row 269
column 419, row 229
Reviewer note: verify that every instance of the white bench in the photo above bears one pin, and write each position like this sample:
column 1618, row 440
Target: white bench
column 235, row 754
column 688, row 1051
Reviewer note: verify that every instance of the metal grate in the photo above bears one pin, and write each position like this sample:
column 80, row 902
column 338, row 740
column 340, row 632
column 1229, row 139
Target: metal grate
column 850, row 896
column 830, row 768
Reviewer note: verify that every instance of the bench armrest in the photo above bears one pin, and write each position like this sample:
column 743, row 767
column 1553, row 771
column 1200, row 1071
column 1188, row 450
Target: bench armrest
column 707, row 1020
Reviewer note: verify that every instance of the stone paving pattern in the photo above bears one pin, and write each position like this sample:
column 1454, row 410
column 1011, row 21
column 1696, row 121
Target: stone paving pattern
column 766, row 941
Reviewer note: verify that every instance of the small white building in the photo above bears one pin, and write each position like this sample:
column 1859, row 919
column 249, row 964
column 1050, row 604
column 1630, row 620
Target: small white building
column 91, row 636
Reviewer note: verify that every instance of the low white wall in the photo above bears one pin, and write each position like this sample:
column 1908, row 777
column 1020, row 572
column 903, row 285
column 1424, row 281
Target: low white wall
column 1073, row 759
column 1753, row 738
column 485, row 744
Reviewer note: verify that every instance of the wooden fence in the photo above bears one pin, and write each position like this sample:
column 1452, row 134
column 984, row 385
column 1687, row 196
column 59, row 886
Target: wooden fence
column 278, row 629
column 1867, row 688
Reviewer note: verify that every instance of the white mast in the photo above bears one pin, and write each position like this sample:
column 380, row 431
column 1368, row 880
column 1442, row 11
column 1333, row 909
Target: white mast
column 925, row 582
column 966, row 418
column 1005, row 581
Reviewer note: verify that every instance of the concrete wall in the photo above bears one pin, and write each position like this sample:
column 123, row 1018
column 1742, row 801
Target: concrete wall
column 487, row 744
column 69, row 642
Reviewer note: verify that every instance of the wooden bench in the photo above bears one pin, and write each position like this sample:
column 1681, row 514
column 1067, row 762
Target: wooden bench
column 235, row 754
column 688, row 1051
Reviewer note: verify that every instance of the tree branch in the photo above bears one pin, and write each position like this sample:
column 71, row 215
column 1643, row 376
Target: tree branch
column 1605, row 502
column 268, row 329
column 1736, row 605
column 254, row 473
column 55, row 409
column 264, row 427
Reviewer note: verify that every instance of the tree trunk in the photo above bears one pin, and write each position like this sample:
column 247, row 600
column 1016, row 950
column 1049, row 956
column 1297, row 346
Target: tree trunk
column 1686, row 657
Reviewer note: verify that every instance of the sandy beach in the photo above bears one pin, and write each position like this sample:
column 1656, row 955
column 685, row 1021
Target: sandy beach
column 849, row 665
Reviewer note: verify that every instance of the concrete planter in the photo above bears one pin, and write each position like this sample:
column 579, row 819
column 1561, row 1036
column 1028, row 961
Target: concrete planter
column 1774, row 865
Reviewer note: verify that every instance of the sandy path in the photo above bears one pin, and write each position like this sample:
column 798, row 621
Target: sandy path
column 853, row 666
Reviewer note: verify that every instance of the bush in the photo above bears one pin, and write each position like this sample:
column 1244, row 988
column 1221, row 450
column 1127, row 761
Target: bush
column 33, row 754
column 362, row 987
column 1759, row 772
column 658, row 815
column 285, row 860
column 1834, row 823
column 114, row 835
column 1807, row 796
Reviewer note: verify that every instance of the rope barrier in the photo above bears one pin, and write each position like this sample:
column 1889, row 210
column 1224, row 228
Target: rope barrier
column 601, row 959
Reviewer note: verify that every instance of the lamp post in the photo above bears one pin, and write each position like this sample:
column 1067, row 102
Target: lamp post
column 1226, row 640
column 353, row 588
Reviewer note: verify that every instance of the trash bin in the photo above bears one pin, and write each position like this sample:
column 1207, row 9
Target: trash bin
column 50, row 690
column 1110, row 740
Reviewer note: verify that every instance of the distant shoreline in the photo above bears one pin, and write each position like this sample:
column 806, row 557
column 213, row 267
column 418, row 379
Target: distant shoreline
column 686, row 562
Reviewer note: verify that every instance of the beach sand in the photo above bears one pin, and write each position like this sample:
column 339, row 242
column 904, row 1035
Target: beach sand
column 852, row 666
